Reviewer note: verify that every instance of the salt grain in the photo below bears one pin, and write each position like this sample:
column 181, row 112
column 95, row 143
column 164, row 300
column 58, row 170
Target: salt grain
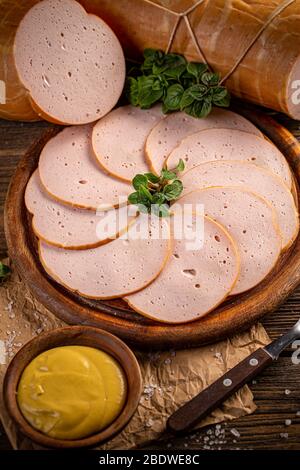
column 235, row 432
column 288, row 422
column 284, row 435
column 287, row 391
column 149, row 391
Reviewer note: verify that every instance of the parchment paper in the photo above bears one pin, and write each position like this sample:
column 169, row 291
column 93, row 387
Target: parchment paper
column 170, row 378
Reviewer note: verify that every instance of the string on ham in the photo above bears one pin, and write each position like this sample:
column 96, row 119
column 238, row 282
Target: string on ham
column 184, row 15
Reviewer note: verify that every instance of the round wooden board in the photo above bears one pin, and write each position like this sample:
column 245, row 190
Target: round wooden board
column 235, row 314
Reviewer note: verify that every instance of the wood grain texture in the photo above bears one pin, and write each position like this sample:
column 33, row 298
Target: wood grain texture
column 264, row 428
column 237, row 313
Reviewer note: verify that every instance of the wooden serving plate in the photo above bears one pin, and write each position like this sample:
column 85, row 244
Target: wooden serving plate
column 237, row 313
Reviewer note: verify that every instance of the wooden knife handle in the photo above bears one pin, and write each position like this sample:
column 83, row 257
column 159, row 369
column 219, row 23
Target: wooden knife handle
column 206, row 401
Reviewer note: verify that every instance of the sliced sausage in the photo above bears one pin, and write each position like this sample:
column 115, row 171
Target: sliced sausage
column 67, row 227
column 249, row 176
column 118, row 268
column 119, row 140
column 251, row 221
column 230, row 144
column 168, row 134
column 70, row 173
column 194, row 282
column 70, row 62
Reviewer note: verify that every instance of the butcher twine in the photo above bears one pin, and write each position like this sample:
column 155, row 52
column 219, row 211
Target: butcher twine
column 282, row 6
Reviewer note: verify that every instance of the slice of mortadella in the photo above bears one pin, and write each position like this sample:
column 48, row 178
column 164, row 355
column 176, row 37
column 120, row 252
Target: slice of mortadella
column 248, row 176
column 119, row 140
column 116, row 269
column 71, row 62
column 251, row 221
column 69, row 172
column 168, row 134
column 230, row 144
column 67, row 227
column 194, row 282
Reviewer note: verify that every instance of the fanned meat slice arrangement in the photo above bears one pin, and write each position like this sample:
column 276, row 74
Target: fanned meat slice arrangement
column 168, row 134
column 93, row 243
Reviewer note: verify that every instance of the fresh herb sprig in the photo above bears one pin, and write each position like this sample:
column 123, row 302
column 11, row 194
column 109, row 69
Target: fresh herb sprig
column 4, row 271
column 153, row 193
column 180, row 85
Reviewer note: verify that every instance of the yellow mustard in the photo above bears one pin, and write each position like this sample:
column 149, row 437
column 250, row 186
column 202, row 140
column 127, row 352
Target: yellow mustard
column 71, row 392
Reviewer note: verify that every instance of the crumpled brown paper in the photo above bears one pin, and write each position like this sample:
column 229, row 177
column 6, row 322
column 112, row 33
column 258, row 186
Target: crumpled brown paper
column 170, row 378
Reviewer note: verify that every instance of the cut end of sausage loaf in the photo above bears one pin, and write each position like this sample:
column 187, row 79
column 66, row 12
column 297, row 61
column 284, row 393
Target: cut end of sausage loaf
column 70, row 62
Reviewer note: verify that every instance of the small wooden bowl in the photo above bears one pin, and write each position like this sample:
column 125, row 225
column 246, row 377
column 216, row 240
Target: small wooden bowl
column 80, row 336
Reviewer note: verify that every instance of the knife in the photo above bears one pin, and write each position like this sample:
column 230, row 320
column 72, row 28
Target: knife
column 187, row 416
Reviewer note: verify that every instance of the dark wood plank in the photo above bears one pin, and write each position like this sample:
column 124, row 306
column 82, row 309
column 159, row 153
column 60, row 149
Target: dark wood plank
column 265, row 429
column 15, row 138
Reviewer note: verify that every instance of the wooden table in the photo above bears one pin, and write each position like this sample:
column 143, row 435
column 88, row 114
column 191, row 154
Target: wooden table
column 276, row 391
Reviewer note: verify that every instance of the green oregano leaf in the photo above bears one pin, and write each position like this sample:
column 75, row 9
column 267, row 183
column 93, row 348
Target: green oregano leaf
column 173, row 190
column 180, row 167
column 139, row 180
column 174, row 96
column 152, row 177
column 134, row 198
column 4, row 271
column 144, row 194
column 131, row 90
column 158, row 198
column 150, row 91
column 223, row 102
column 196, row 70
column 168, row 175
column 160, row 210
